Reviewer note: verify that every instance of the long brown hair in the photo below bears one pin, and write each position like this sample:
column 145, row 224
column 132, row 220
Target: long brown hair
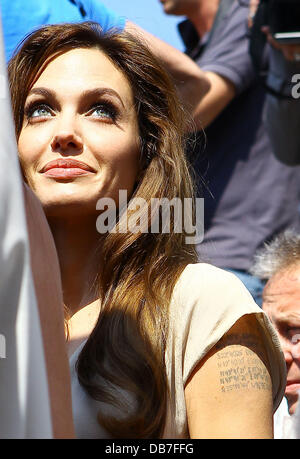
column 137, row 271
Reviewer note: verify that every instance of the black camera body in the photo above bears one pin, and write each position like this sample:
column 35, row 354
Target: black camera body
column 283, row 18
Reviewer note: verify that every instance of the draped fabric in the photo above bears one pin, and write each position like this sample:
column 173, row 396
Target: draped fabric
column 24, row 400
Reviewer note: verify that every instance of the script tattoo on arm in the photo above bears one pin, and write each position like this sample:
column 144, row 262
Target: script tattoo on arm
column 240, row 361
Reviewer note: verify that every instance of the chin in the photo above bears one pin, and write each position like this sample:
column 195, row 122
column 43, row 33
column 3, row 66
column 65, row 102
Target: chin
column 292, row 405
column 171, row 11
column 169, row 7
column 62, row 207
column 292, row 408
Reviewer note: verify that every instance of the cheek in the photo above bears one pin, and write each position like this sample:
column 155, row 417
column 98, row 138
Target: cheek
column 28, row 157
column 25, row 154
column 31, row 146
column 119, row 151
column 281, row 339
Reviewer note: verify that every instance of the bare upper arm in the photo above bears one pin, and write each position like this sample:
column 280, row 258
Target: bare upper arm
column 222, row 91
column 191, row 82
column 229, row 394
column 204, row 94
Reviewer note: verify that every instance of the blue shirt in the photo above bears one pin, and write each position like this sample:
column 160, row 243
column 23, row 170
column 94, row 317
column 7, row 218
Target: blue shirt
column 19, row 17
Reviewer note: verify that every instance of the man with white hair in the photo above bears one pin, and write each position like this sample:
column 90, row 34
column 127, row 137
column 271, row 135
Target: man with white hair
column 279, row 264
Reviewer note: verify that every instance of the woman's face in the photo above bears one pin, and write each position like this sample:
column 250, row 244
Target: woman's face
column 79, row 140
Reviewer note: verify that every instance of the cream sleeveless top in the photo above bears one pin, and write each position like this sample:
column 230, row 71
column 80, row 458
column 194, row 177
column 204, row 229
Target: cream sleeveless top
column 206, row 302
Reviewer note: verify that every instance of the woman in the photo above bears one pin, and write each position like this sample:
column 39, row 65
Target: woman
column 164, row 347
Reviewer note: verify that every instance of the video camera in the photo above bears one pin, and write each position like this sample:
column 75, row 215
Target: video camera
column 283, row 18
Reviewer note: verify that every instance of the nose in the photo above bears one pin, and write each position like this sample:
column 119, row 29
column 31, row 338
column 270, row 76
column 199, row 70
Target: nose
column 291, row 348
column 288, row 355
column 66, row 140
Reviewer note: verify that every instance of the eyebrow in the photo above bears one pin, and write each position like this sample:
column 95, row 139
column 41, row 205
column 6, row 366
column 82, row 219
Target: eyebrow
column 88, row 93
column 42, row 92
column 288, row 319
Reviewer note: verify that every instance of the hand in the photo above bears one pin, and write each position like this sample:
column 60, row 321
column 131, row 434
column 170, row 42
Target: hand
column 290, row 52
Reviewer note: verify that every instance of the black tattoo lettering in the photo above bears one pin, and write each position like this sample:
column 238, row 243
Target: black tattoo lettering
column 240, row 363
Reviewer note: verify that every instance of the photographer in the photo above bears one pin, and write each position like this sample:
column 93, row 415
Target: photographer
column 245, row 198
column 283, row 82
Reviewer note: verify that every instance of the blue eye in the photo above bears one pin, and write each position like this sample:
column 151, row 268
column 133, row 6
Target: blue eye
column 38, row 111
column 103, row 110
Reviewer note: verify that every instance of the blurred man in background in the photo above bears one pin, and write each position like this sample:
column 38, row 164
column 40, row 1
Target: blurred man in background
column 249, row 195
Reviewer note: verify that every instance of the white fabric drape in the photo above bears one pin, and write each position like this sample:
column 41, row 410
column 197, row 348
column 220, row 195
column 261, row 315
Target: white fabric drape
column 24, row 400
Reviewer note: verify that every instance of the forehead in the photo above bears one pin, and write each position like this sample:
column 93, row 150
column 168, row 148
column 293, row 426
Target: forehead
column 83, row 68
column 281, row 297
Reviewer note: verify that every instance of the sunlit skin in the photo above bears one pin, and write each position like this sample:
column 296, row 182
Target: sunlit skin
column 200, row 12
column 288, row 50
column 81, row 108
column 181, row 7
column 281, row 301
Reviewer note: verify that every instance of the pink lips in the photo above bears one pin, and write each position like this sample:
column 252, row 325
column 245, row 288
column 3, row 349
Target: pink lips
column 66, row 169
